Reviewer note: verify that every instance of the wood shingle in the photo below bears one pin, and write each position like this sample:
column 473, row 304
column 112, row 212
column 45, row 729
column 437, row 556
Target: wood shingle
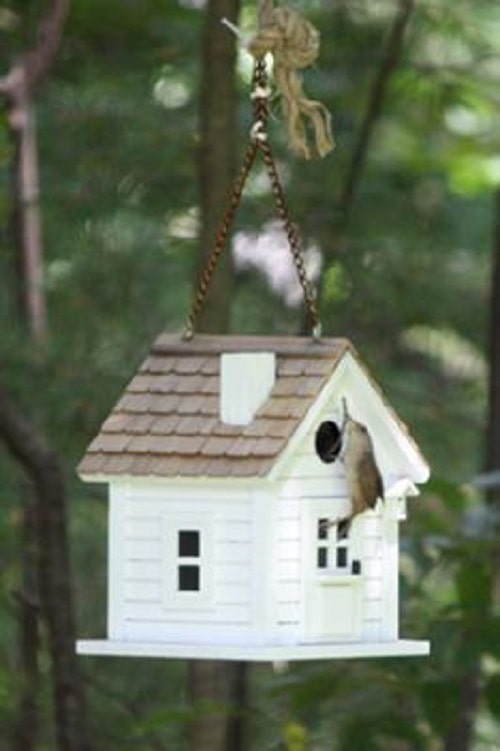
column 167, row 422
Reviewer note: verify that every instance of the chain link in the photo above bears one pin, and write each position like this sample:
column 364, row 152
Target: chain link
column 259, row 142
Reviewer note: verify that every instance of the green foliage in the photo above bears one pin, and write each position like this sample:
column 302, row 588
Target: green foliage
column 407, row 279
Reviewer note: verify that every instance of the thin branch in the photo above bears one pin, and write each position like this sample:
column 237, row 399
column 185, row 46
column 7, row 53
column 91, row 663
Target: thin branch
column 31, row 69
column 388, row 66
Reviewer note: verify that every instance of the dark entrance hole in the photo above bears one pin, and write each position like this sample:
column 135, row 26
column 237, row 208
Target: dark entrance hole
column 328, row 441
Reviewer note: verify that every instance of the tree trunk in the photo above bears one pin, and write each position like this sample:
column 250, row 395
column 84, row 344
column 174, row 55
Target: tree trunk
column 216, row 685
column 461, row 735
column 493, row 429
column 218, row 691
column 18, row 88
column 217, row 153
column 26, row 217
column 42, row 466
column 391, row 58
column 25, row 737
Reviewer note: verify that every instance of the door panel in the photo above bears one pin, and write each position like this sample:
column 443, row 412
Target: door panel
column 332, row 592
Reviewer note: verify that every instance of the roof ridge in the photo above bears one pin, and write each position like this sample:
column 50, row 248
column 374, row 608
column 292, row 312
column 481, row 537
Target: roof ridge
column 210, row 344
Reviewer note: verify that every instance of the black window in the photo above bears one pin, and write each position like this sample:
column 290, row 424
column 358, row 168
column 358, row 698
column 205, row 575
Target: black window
column 323, row 529
column 322, row 558
column 341, row 557
column 189, row 560
column 189, row 544
column 189, row 578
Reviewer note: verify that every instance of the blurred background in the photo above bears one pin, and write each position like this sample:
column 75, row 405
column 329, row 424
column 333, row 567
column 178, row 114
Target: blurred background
column 122, row 124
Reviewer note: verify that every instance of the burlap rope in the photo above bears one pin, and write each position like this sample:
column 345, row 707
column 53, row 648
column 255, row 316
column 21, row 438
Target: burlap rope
column 294, row 44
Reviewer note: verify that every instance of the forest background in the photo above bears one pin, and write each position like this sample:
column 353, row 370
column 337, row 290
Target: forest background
column 132, row 104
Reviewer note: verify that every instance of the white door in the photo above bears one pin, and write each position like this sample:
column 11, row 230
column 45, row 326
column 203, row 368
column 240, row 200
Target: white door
column 332, row 578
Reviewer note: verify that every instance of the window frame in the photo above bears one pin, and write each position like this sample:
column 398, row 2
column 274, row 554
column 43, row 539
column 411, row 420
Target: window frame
column 187, row 599
column 334, row 556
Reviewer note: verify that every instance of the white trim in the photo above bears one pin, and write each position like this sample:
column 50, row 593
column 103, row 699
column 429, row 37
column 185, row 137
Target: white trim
column 116, row 521
column 368, row 406
column 254, row 653
column 173, row 598
column 390, row 574
column 181, row 481
column 263, row 562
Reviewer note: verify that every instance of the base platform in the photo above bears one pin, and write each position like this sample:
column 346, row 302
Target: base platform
column 253, row 653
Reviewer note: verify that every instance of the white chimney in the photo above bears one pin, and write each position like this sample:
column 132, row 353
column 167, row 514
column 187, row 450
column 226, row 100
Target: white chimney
column 246, row 380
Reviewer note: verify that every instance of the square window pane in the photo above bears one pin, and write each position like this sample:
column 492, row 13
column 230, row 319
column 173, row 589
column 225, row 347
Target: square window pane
column 343, row 530
column 356, row 567
column 322, row 529
column 322, row 557
column 189, row 578
column 341, row 557
column 189, row 543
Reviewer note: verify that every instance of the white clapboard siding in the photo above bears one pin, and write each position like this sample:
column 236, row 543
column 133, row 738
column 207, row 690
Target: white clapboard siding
column 373, row 589
column 143, row 550
column 143, row 591
column 144, row 518
column 288, row 570
column 307, row 479
column 189, row 632
column 141, row 570
column 143, row 528
column 287, row 551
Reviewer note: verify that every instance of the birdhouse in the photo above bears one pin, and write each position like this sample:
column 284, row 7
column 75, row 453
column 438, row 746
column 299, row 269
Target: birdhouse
column 232, row 527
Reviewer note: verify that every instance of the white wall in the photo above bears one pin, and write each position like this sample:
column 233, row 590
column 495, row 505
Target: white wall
column 141, row 604
column 307, row 481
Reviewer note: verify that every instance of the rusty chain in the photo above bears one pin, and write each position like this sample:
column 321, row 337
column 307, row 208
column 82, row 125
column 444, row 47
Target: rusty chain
column 259, row 142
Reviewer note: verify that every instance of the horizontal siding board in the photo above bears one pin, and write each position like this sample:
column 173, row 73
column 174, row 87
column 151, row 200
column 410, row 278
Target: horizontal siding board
column 141, row 528
column 288, row 612
column 288, row 529
column 288, row 570
column 289, row 501
column 233, row 531
column 288, row 550
column 142, row 591
column 372, row 609
column 316, row 481
column 288, row 591
column 149, row 611
column 231, row 552
column 373, row 567
column 237, row 572
column 373, row 588
column 189, row 633
column 233, row 593
column 143, row 550
column 143, row 570
column 372, row 629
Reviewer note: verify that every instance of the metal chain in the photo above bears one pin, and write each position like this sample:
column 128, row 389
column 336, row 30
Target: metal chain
column 207, row 272
column 260, row 94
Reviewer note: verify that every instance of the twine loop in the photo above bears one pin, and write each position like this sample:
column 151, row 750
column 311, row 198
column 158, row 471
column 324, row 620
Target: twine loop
column 294, row 44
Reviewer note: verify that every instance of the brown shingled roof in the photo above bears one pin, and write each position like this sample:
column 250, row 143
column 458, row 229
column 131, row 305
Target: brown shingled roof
column 167, row 421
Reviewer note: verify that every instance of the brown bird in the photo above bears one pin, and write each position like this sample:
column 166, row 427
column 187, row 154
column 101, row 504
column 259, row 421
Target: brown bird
column 364, row 482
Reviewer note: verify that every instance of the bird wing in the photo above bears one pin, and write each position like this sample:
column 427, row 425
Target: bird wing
column 369, row 487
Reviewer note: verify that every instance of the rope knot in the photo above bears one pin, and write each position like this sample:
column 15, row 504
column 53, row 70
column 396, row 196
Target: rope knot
column 294, row 44
column 289, row 37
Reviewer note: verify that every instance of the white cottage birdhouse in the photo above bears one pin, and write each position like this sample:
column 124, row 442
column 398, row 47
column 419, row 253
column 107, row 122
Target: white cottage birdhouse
column 226, row 495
